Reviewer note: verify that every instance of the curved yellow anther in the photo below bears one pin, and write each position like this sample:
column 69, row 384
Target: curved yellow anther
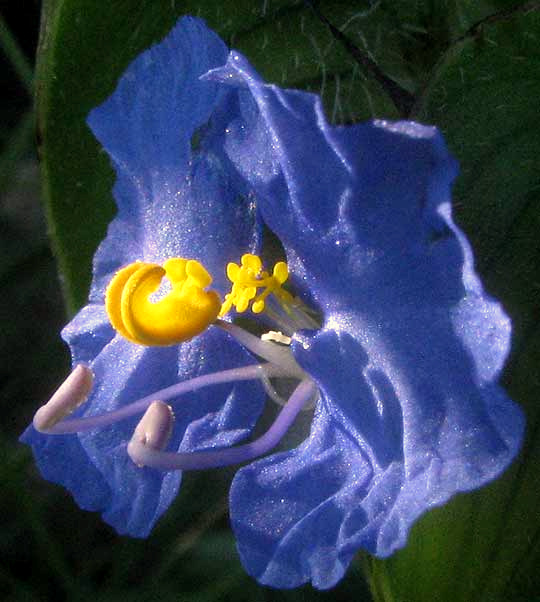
column 184, row 312
column 247, row 278
column 114, row 295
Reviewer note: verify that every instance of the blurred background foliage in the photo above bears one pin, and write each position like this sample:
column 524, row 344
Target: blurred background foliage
column 469, row 66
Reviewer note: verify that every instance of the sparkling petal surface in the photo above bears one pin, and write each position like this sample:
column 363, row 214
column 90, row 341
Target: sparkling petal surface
column 290, row 510
column 411, row 345
column 176, row 196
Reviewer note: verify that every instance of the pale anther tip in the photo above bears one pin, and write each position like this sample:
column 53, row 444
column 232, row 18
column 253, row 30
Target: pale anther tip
column 276, row 337
column 71, row 394
column 153, row 431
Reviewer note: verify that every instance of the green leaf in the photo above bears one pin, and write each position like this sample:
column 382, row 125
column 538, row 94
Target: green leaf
column 484, row 96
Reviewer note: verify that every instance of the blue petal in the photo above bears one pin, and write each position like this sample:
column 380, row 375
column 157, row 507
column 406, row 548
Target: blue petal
column 173, row 200
column 374, row 462
column 294, row 513
column 177, row 196
column 426, row 426
column 88, row 333
column 364, row 215
column 411, row 345
column 62, row 460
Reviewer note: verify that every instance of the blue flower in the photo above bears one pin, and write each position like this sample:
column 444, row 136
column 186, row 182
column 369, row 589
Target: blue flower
column 404, row 361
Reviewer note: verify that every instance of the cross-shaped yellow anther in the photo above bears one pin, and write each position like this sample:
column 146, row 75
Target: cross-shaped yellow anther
column 247, row 278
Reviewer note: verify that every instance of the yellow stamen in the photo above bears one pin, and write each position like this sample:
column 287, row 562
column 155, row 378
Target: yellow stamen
column 187, row 310
column 247, row 278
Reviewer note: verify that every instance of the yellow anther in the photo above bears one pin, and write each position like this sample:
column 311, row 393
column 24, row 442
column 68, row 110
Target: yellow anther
column 281, row 272
column 197, row 275
column 252, row 263
column 114, row 295
column 184, row 312
column 247, row 278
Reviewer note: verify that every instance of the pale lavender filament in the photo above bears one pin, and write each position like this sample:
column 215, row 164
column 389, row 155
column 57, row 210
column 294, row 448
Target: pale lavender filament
column 252, row 372
column 276, row 354
column 146, row 456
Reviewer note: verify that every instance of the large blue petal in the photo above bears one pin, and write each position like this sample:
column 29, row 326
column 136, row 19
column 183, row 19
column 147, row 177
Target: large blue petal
column 430, row 422
column 294, row 514
column 177, row 196
column 374, row 462
column 411, row 345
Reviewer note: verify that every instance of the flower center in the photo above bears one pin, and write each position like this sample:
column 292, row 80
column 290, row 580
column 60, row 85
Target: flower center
column 141, row 311
column 188, row 309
